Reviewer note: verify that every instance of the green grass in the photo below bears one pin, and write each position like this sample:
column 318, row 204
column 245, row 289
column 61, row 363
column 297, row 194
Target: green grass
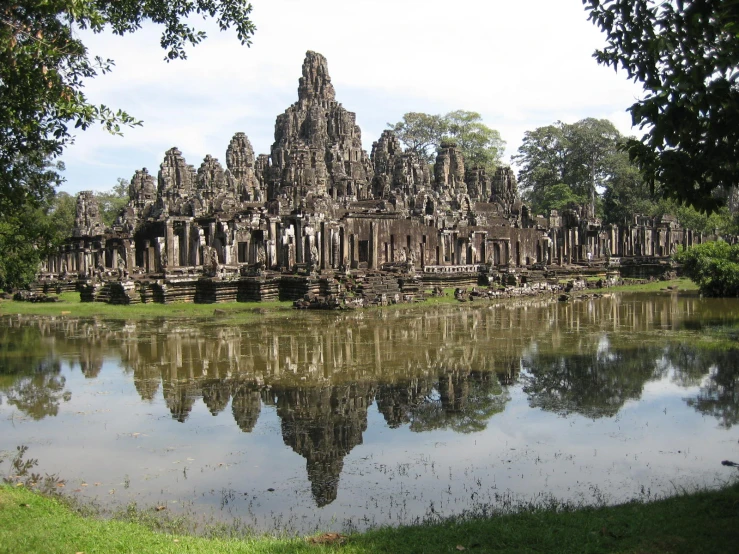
column 698, row 522
column 683, row 284
column 447, row 298
column 69, row 305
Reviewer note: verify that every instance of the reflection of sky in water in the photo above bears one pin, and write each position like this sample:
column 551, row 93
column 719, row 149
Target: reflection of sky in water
column 654, row 445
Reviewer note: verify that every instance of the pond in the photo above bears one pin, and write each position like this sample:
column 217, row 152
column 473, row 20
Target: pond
column 344, row 421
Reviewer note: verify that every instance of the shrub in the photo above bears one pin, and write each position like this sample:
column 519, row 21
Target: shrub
column 713, row 266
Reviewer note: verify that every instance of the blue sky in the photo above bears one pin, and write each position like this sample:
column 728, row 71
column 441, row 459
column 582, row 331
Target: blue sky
column 521, row 64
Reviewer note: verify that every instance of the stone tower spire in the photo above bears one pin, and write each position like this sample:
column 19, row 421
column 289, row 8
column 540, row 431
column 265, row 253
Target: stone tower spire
column 315, row 84
column 318, row 145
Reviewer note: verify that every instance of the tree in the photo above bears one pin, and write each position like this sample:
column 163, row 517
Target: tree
column 27, row 233
column 626, row 194
column 686, row 55
column 481, row 145
column 543, row 156
column 62, row 214
column 423, row 133
column 714, row 266
column 583, row 155
column 26, row 237
column 559, row 197
column 594, row 144
column 44, row 66
column 112, row 201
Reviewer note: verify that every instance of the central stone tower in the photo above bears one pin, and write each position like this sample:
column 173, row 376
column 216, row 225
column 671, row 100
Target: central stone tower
column 318, row 145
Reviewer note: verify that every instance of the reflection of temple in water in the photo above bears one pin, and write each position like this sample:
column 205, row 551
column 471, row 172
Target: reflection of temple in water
column 396, row 401
column 426, row 369
column 180, row 398
column 216, row 394
column 146, row 379
column 246, row 406
column 323, row 424
column 460, row 400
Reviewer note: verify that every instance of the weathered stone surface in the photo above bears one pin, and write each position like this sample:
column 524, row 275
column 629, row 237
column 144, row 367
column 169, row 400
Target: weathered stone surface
column 504, row 189
column 478, row 184
column 176, row 185
column 216, row 193
column 318, row 145
column 315, row 84
column 449, row 170
column 87, row 219
column 396, row 171
column 142, row 192
column 242, row 170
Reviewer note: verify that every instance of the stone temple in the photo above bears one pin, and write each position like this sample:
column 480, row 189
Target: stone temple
column 319, row 217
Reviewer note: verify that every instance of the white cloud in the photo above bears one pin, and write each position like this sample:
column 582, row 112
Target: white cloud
column 520, row 64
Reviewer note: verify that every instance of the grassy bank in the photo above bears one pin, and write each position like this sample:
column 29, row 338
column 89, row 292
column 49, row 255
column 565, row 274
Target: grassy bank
column 69, row 305
column 698, row 522
column 682, row 284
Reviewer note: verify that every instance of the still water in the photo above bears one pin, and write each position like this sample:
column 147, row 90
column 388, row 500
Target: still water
column 349, row 420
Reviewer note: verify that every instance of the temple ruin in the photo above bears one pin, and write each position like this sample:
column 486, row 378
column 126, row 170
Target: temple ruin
column 319, row 217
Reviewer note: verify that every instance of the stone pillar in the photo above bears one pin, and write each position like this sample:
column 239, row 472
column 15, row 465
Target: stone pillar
column 185, row 244
column 273, row 230
column 211, row 233
column 325, row 248
column 169, row 245
column 160, row 247
column 354, row 250
column 614, row 246
column 130, row 255
column 344, row 248
column 373, row 246
column 575, row 244
column 228, row 243
column 299, row 241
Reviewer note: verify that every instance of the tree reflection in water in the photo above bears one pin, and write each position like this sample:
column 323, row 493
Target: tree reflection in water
column 38, row 393
column 30, row 377
column 595, row 383
column 717, row 372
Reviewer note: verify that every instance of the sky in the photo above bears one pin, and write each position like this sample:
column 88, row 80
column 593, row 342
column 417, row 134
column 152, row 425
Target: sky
column 521, row 64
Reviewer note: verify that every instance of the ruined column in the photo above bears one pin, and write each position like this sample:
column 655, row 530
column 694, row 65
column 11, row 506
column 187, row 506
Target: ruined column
column 373, row 246
column 185, row 247
column 299, row 240
column 160, row 248
column 169, row 250
column 344, row 249
column 325, row 245
column 130, row 254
